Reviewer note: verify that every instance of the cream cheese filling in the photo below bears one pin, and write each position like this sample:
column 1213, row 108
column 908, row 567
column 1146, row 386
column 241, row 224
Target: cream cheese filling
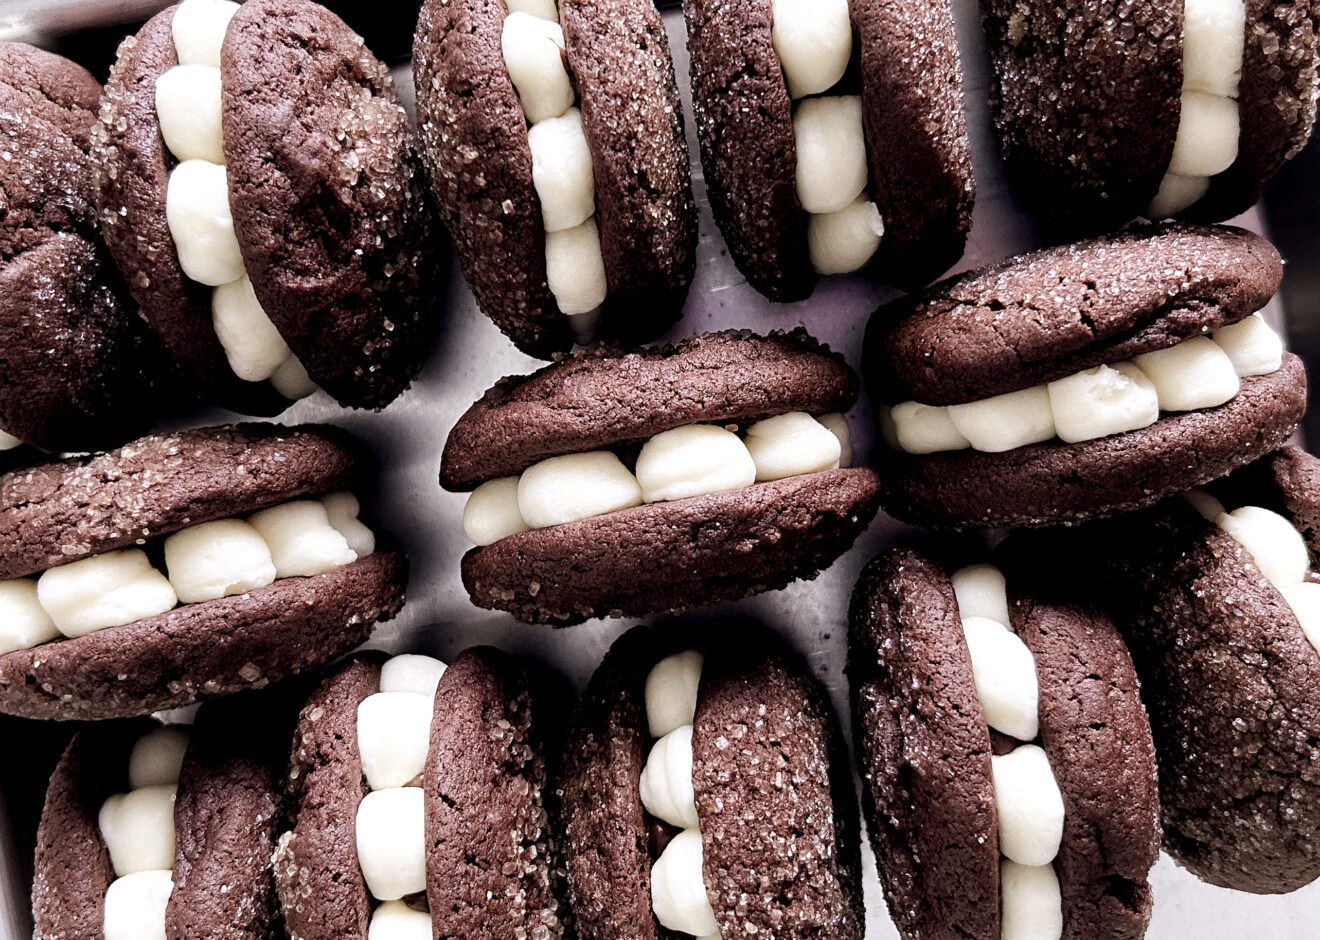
column 1214, row 36
column 188, row 107
column 533, row 47
column 1277, row 548
column 137, row 829
column 1198, row 373
column 394, row 738
column 693, row 460
column 678, row 887
column 203, row 562
column 1028, row 802
column 8, row 441
column 814, row 42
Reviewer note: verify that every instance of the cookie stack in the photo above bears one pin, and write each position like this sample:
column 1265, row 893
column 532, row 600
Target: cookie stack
column 1106, row 643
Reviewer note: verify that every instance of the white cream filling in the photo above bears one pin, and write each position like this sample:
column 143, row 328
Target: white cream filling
column 813, row 40
column 678, row 886
column 203, row 562
column 8, row 441
column 532, row 44
column 1214, row 36
column 393, row 739
column 1200, row 372
column 1277, row 548
column 693, row 460
column 137, row 829
column 188, row 107
column 1028, row 803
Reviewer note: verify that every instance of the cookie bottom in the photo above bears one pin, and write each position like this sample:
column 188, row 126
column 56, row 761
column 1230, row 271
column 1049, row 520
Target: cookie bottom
column 1054, row 483
column 672, row 556
column 205, row 650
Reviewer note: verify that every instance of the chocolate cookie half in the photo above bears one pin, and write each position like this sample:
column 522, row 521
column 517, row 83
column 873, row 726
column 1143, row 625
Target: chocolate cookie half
column 260, row 190
column 1174, row 108
column 625, row 485
column 1007, row 765
column 421, row 803
column 833, row 138
column 553, row 134
column 706, row 792
column 165, row 830
column 184, row 566
column 77, row 370
column 1083, row 380
column 1221, row 605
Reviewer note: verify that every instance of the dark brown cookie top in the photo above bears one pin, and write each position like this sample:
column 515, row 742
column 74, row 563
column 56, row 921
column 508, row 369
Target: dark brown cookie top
column 321, row 888
column 493, row 867
column 132, row 167
column 475, row 146
column 72, row 867
column 1233, row 689
column 673, row 556
column 1086, row 101
column 1048, row 314
column 1097, row 736
column 618, row 55
column 60, row 297
column 206, row 650
column 58, row 512
column 775, row 796
column 46, row 185
column 62, row 301
column 49, row 87
column 744, row 122
column 1276, row 103
column 602, row 399
column 1058, row 483
column 923, row 749
column 226, row 815
column 918, row 153
column 606, row 849
column 328, row 201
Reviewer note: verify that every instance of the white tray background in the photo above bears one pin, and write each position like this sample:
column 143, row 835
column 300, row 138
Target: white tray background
column 471, row 355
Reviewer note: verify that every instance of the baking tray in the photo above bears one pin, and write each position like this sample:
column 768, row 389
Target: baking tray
column 471, row 354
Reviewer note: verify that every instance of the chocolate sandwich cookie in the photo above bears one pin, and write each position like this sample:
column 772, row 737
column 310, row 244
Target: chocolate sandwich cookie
column 156, row 830
column 1007, row 765
column 76, row 367
column 421, row 804
column 833, row 137
column 260, row 190
column 1220, row 599
column 707, row 793
column 1177, row 108
column 626, row 485
column 553, row 134
column 184, row 566
column 1082, row 380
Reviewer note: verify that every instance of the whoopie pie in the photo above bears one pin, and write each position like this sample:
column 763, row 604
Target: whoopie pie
column 76, row 368
column 625, row 485
column 1007, row 765
column 706, row 792
column 833, row 137
column 261, row 192
column 1220, row 600
column 184, row 566
column 1174, row 108
column 553, row 134
column 154, row 830
column 420, row 802
column 1082, row 380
